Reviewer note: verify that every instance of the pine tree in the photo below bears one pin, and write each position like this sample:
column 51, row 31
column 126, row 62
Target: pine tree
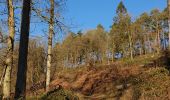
column 121, row 9
column 121, row 30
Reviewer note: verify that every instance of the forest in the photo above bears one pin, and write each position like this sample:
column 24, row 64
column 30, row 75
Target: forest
column 130, row 61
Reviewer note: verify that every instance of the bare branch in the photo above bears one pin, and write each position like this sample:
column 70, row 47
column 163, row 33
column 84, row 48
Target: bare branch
column 38, row 12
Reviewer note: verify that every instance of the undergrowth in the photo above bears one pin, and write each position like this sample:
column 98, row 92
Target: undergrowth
column 152, row 84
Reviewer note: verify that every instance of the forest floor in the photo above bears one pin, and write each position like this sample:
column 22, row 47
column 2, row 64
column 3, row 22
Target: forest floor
column 146, row 77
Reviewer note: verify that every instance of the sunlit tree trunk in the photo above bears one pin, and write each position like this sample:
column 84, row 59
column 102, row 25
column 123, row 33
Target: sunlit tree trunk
column 113, row 55
column 158, row 41
column 131, row 46
column 131, row 51
column 10, row 43
column 140, row 51
column 51, row 31
column 149, row 43
column 20, row 89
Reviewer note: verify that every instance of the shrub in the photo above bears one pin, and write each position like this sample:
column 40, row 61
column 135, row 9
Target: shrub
column 152, row 84
column 59, row 94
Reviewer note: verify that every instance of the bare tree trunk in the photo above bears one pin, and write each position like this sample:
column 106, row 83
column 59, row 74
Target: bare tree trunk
column 9, row 59
column 158, row 41
column 131, row 46
column 164, row 44
column 51, row 31
column 140, row 51
column 143, row 45
column 20, row 89
column 113, row 56
column 149, row 43
column 157, row 38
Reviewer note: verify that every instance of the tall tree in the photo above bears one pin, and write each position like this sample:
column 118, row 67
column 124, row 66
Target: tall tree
column 130, row 39
column 155, row 27
column 51, row 15
column 121, row 9
column 143, row 28
column 20, row 90
column 120, row 30
column 50, row 37
column 10, row 43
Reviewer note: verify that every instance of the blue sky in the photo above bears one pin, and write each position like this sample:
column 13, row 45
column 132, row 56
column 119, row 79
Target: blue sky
column 87, row 14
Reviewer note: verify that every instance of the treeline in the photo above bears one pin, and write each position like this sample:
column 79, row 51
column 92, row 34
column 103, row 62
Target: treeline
column 127, row 38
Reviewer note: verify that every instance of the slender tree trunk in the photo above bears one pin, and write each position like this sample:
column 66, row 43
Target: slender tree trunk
column 20, row 90
column 131, row 46
column 149, row 43
column 10, row 43
column 143, row 45
column 140, row 51
column 164, row 44
column 51, row 32
column 157, row 38
column 103, row 58
column 112, row 56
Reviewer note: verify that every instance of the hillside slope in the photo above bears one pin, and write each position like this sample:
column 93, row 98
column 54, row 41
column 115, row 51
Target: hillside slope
column 123, row 80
